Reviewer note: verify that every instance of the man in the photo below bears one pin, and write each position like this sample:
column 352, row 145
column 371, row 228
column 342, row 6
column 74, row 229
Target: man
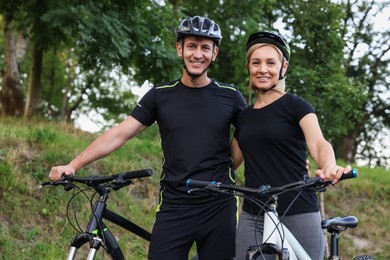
column 194, row 114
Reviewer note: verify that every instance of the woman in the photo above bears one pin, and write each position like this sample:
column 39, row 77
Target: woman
column 272, row 137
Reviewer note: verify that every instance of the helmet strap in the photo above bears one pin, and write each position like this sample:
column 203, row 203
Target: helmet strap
column 268, row 89
column 281, row 70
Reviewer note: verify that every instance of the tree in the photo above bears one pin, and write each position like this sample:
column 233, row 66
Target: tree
column 316, row 69
column 139, row 46
column 102, row 36
column 76, row 46
column 320, row 68
column 11, row 95
column 367, row 65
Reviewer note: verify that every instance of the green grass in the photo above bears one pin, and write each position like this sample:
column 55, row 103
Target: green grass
column 368, row 198
column 33, row 222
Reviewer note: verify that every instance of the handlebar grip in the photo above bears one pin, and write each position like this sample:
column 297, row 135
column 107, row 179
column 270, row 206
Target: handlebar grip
column 201, row 184
column 352, row 174
column 137, row 174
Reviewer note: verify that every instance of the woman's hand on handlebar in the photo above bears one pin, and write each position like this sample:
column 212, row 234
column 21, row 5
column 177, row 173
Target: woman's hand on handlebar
column 57, row 172
column 333, row 172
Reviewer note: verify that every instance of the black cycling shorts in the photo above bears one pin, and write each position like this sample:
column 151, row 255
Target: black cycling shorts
column 212, row 227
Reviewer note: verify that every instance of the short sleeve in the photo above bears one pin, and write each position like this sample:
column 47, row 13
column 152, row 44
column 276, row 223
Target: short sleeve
column 302, row 108
column 240, row 105
column 145, row 111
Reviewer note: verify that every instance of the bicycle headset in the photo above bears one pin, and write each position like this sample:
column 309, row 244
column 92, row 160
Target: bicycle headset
column 201, row 27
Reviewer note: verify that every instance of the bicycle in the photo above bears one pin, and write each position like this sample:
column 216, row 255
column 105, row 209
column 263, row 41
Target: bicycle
column 277, row 239
column 96, row 233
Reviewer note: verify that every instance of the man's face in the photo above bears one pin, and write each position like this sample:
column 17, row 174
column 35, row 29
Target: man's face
column 197, row 53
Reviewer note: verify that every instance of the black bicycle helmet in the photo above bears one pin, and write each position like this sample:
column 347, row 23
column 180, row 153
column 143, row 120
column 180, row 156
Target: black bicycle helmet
column 269, row 37
column 199, row 26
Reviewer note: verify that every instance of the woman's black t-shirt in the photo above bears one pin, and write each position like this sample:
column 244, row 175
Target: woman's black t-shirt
column 275, row 151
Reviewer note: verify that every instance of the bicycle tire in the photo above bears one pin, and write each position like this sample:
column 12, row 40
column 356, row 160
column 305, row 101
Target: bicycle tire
column 364, row 257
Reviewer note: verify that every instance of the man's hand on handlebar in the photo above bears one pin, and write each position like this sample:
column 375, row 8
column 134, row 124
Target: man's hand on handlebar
column 57, row 172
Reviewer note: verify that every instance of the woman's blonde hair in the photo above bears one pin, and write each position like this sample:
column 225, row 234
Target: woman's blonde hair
column 280, row 85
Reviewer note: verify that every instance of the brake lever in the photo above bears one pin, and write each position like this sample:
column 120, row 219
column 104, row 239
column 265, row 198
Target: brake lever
column 120, row 182
column 63, row 181
column 68, row 186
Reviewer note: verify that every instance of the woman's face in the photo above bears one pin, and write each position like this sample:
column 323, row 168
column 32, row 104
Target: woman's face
column 264, row 67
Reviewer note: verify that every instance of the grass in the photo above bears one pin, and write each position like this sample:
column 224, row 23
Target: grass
column 368, row 198
column 33, row 222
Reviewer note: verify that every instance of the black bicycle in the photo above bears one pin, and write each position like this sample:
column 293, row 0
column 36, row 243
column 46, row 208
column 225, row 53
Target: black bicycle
column 97, row 234
column 277, row 239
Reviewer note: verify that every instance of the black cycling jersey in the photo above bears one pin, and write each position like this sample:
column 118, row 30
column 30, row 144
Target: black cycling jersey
column 275, row 151
column 194, row 125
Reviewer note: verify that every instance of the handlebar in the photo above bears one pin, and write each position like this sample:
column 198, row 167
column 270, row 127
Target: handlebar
column 309, row 184
column 117, row 180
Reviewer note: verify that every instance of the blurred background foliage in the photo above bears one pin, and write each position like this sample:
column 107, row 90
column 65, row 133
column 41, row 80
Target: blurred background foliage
column 62, row 60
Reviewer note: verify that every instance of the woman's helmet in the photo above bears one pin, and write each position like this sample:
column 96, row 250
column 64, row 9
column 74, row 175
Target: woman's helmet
column 199, row 26
column 270, row 37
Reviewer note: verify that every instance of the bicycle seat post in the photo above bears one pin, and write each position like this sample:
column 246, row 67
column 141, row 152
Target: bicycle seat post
column 334, row 245
column 335, row 226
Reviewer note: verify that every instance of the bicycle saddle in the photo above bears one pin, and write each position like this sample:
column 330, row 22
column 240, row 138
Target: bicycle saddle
column 347, row 222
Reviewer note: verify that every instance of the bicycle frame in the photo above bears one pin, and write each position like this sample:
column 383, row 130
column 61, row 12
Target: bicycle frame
column 277, row 239
column 97, row 232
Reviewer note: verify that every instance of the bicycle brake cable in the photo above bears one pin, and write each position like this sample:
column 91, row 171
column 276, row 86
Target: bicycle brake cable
column 72, row 201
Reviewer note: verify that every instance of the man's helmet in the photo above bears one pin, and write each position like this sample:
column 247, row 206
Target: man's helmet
column 269, row 37
column 199, row 26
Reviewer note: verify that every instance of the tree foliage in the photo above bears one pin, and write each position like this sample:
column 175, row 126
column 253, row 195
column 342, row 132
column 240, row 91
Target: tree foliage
column 317, row 66
column 367, row 52
column 93, row 52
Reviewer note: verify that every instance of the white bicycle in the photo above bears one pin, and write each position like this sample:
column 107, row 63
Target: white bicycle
column 277, row 239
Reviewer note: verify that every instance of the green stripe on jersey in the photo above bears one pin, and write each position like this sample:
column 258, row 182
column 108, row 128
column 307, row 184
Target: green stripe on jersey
column 168, row 86
column 225, row 86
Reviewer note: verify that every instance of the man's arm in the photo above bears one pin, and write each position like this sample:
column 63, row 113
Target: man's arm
column 104, row 145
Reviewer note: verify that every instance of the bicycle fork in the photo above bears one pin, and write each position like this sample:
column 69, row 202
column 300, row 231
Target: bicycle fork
column 80, row 240
column 94, row 228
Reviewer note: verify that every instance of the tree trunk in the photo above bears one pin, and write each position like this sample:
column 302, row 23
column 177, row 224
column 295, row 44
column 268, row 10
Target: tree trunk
column 11, row 96
column 34, row 84
column 65, row 99
column 349, row 146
